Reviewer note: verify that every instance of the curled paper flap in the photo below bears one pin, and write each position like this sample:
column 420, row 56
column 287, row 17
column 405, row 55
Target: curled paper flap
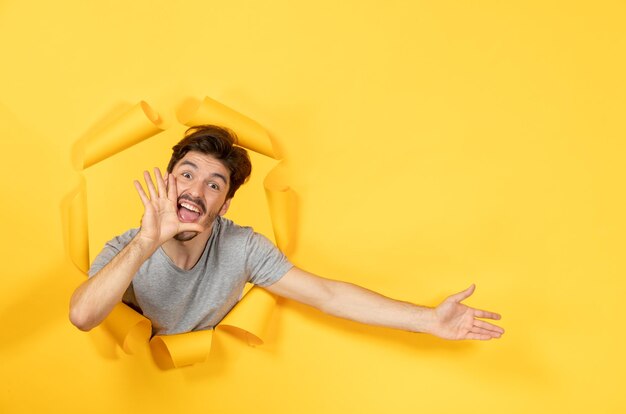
column 251, row 135
column 282, row 205
column 129, row 328
column 135, row 125
column 78, row 237
column 251, row 315
column 249, row 318
column 175, row 351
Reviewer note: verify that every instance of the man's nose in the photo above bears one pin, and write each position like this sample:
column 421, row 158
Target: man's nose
column 197, row 188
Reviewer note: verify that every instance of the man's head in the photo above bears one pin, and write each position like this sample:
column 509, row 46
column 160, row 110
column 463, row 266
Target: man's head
column 219, row 143
column 208, row 169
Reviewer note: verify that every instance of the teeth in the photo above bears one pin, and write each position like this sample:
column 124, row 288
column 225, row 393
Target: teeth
column 190, row 207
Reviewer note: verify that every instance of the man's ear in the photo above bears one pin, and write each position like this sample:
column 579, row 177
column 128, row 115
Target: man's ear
column 225, row 206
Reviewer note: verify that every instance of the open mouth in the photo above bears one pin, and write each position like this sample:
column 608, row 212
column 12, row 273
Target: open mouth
column 188, row 212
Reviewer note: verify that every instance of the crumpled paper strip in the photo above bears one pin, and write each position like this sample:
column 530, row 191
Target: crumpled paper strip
column 176, row 351
column 129, row 328
column 135, row 125
column 251, row 135
column 252, row 314
column 250, row 317
column 282, row 205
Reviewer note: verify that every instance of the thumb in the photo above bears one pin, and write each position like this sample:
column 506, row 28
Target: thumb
column 458, row 297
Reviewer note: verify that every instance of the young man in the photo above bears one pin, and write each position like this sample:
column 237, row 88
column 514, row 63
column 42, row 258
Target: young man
column 186, row 266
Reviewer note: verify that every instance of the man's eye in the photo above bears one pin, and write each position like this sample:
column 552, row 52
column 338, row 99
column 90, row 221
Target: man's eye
column 214, row 186
column 186, row 175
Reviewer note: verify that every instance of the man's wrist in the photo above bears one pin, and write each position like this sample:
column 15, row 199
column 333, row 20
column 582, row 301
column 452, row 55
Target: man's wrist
column 425, row 320
column 145, row 246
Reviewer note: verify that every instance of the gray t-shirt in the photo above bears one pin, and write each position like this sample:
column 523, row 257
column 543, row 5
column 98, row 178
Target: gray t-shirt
column 177, row 300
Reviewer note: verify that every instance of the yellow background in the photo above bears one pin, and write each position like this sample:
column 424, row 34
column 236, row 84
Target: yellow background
column 431, row 145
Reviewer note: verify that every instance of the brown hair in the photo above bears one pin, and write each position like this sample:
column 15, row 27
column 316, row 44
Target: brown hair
column 219, row 143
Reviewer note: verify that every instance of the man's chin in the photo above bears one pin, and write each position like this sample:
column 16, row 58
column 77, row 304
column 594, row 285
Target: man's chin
column 186, row 235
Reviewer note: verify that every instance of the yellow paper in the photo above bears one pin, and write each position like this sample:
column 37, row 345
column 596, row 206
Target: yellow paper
column 128, row 327
column 78, row 237
column 251, row 135
column 135, row 125
column 251, row 315
column 249, row 318
column 442, row 143
column 175, row 351
column 282, row 204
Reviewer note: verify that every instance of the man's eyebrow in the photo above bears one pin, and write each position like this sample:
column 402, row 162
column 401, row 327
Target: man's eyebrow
column 220, row 176
column 186, row 162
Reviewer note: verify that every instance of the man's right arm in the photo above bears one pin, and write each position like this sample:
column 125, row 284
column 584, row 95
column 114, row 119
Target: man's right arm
column 96, row 297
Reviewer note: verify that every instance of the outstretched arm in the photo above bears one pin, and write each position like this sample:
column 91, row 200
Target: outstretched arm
column 94, row 299
column 450, row 320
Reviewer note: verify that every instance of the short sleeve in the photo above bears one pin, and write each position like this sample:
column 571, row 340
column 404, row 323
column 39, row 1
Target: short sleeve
column 102, row 259
column 110, row 250
column 265, row 263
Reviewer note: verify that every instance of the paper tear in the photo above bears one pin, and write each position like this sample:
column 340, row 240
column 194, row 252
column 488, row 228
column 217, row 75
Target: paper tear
column 251, row 135
column 133, row 126
column 251, row 316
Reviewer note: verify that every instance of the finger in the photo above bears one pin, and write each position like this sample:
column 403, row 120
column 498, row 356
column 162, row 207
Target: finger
column 479, row 313
column 160, row 182
column 477, row 336
column 142, row 194
column 482, row 331
column 150, row 185
column 488, row 326
column 171, row 188
column 458, row 297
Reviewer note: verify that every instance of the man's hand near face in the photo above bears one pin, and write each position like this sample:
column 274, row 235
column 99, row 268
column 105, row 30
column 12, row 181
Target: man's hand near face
column 95, row 298
column 160, row 220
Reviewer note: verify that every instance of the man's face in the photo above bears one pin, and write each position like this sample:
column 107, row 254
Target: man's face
column 202, row 184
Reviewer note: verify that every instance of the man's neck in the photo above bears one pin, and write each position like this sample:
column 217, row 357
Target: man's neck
column 185, row 254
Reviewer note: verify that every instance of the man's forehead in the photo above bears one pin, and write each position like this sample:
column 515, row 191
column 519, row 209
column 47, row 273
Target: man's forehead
column 203, row 162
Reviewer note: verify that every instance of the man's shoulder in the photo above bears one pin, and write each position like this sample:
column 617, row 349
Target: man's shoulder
column 241, row 235
column 111, row 249
column 123, row 239
column 238, row 234
column 229, row 228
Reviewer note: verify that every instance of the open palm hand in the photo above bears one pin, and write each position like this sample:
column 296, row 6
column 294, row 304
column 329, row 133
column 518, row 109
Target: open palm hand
column 160, row 220
column 454, row 320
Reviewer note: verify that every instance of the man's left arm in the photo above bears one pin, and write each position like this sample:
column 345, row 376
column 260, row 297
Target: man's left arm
column 449, row 320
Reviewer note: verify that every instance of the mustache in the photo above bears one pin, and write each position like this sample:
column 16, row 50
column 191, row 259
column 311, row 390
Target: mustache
column 196, row 201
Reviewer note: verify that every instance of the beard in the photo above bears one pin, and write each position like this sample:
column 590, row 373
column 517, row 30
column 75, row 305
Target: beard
column 208, row 223
column 185, row 236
